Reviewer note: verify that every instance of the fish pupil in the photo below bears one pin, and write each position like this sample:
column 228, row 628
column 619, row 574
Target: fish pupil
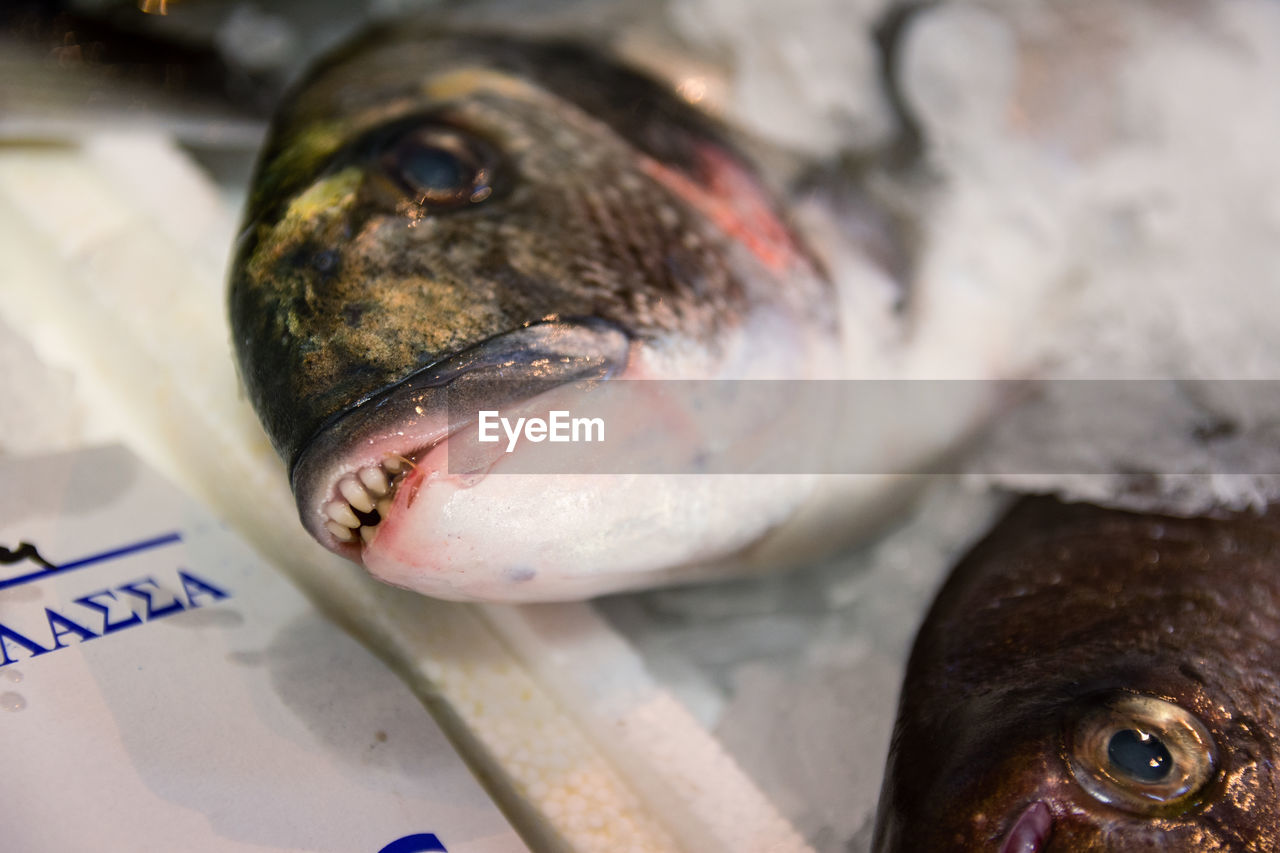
column 435, row 171
column 1139, row 755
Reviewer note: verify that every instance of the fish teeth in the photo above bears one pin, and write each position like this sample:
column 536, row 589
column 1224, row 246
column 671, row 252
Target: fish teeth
column 360, row 495
column 351, row 489
column 342, row 534
column 375, row 480
column 340, row 511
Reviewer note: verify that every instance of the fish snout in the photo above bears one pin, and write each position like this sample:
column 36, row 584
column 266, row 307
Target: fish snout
column 347, row 477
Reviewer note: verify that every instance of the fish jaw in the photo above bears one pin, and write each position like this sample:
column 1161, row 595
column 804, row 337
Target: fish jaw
column 519, row 537
column 484, row 530
column 481, row 527
column 356, row 464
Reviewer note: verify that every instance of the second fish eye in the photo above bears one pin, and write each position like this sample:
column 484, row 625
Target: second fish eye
column 441, row 167
column 1141, row 753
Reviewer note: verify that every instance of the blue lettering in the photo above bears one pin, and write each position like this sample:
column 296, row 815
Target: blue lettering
column 107, row 625
column 115, row 612
column 422, row 842
column 194, row 586
column 151, row 612
column 60, row 625
column 8, row 635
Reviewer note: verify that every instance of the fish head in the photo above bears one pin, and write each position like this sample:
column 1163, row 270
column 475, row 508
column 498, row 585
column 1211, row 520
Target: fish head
column 1086, row 681
column 468, row 217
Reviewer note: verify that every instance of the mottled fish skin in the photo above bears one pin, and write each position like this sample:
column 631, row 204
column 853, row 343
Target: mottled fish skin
column 1061, row 640
column 342, row 287
column 598, row 226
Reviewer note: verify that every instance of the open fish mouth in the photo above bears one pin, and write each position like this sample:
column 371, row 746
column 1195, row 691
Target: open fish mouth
column 363, row 463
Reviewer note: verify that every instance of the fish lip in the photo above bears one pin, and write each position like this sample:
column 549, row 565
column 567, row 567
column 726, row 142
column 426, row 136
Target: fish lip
column 413, row 414
column 1030, row 829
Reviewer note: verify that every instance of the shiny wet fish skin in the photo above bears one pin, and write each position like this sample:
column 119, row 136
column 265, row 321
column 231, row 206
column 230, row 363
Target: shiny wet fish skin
column 1062, row 639
column 432, row 208
column 343, row 286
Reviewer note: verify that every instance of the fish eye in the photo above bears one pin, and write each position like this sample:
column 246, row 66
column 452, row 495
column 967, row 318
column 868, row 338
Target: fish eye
column 441, row 167
column 1141, row 753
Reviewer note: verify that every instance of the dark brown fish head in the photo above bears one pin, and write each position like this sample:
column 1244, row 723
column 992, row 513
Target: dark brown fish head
column 1091, row 680
column 471, row 213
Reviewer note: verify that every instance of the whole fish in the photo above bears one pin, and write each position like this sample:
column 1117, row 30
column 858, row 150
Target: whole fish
column 1093, row 680
column 458, row 212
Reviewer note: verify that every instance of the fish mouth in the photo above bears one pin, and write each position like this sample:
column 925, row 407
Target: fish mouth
column 1030, row 831
column 347, row 478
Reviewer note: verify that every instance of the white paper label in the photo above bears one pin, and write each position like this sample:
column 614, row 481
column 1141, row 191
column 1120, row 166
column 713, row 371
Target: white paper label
column 162, row 688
